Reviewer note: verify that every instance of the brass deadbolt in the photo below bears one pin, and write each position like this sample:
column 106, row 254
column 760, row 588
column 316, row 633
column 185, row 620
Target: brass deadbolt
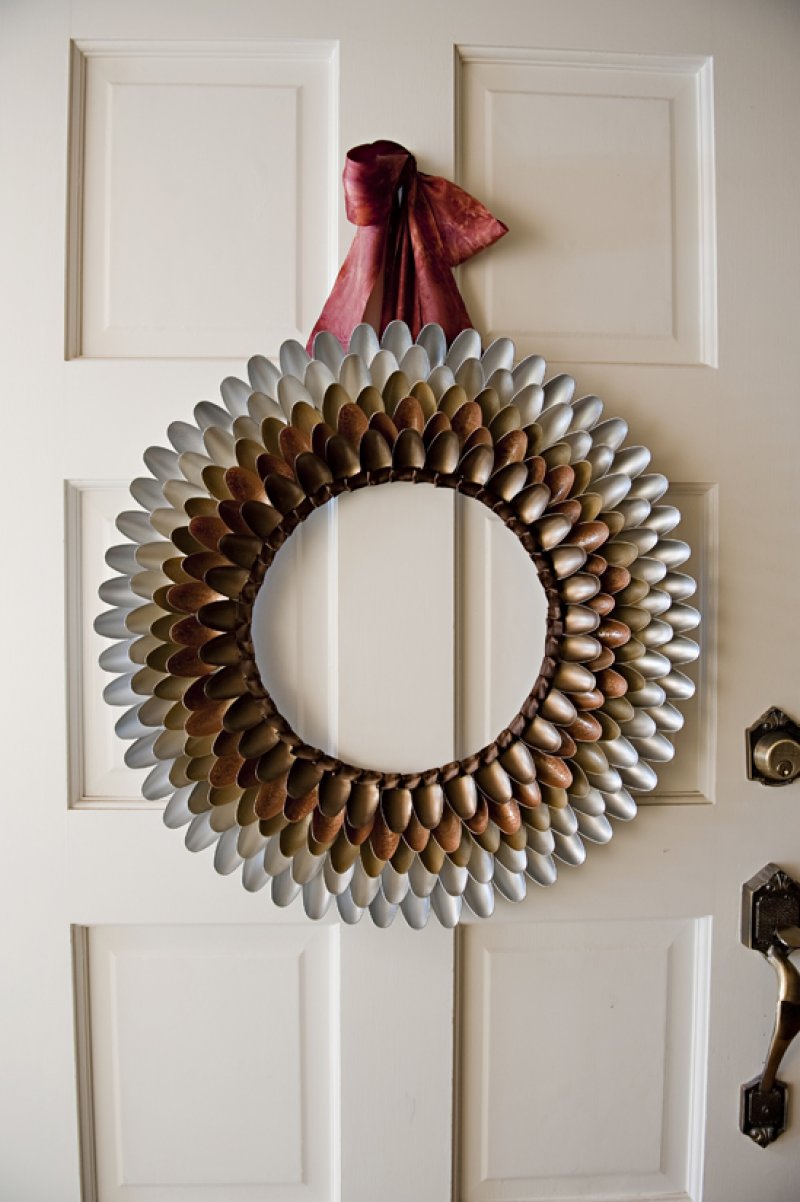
column 773, row 749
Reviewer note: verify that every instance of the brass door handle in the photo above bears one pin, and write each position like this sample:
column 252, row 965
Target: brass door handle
column 771, row 925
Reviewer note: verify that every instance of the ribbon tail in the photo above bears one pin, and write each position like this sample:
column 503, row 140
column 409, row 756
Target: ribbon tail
column 355, row 284
column 448, row 227
column 436, row 295
column 464, row 225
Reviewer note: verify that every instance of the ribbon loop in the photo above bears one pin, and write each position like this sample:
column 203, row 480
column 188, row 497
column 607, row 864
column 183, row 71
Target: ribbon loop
column 372, row 175
column 412, row 229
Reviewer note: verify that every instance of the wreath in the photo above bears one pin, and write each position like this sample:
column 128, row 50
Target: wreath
column 213, row 513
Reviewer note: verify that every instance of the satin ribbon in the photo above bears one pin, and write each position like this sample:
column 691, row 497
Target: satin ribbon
column 413, row 229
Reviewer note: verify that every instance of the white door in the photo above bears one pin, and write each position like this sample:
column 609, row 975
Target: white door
column 167, row 1036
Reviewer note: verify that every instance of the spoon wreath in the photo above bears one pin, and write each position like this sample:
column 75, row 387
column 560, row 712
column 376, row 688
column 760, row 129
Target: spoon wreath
column 214, row 512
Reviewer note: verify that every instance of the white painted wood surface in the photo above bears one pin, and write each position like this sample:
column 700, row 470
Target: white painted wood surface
column 250, row 1111
column 97, row 770
column 608, row 273
column 634, row 995
column 396, row 626
column 232, row 145
column 296, row 618
column 501, row 614
column 618, row 151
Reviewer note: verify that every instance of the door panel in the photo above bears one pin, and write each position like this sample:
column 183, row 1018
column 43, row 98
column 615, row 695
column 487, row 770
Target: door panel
column 97, row 769
column 640, row 155
column 176, row 147
column 214, row 1056
column 633, row 996
column 604, row 163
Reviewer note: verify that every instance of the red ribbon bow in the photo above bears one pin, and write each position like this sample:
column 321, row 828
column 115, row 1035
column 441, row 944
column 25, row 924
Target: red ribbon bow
column 412, row 230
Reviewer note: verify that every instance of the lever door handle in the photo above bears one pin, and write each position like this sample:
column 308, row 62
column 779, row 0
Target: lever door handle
column 771, row 925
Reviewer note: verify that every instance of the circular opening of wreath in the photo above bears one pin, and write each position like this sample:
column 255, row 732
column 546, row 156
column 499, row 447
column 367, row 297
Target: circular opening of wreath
column 400, row 628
